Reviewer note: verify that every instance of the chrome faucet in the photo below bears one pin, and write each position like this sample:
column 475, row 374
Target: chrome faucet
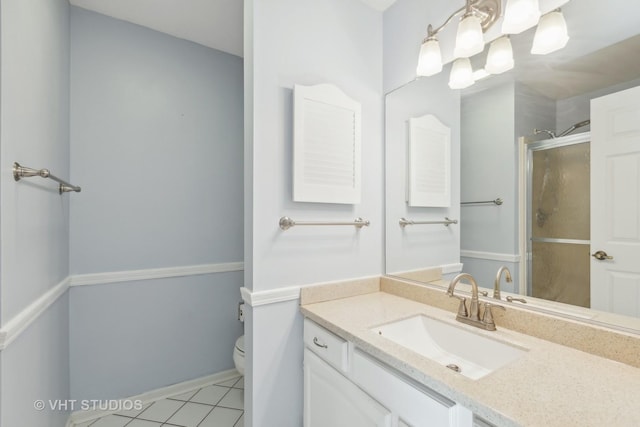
column 472, row 316
column 496, row 284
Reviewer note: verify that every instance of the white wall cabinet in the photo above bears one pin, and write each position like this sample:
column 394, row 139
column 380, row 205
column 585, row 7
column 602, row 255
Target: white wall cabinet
column 343, row 386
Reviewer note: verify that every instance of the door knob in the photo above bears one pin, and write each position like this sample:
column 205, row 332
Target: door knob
column 601, row 255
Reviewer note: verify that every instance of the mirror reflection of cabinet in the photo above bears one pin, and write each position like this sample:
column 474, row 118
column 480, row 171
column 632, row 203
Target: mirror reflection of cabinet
column 428, row 163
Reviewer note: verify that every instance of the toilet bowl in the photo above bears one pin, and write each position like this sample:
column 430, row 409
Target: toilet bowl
column 238, row 355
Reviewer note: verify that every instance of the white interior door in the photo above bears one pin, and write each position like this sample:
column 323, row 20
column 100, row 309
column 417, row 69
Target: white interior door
column 615, row 202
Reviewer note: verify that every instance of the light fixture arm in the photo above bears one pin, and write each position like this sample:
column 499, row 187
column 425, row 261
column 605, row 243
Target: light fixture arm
column 487, row 10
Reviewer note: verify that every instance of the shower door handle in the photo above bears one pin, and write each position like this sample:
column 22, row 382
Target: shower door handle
column 601, row 256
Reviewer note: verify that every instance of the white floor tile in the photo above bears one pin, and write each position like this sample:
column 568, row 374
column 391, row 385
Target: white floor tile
column 190, row 415
column 84, row 424
column 234, row 399
column 111, row 421
column 210, row 395
column 161, row 410
column 221, row 417
column 143, row 423
column 133, row 412
column 240, row 383
column 228, row 383
column 240, row 422
column 184, row 396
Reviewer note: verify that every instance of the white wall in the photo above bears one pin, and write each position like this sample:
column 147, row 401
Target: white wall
column 305, row 42
column 156, row 143
column 34, row 218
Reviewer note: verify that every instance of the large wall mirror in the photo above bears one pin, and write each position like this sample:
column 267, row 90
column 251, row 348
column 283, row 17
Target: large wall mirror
column 522, row 171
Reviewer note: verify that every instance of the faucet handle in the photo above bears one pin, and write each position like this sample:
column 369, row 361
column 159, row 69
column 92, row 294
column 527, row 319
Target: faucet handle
column 487, row 317
column 462, row 308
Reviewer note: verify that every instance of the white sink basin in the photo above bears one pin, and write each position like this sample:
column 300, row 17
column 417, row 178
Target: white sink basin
column 473, row 354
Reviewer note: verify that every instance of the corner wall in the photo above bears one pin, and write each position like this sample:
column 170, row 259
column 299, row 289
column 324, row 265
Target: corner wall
column 34, row 218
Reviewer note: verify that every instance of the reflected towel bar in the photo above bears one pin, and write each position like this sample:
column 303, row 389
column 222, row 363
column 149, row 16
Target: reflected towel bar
column 286, row 223
column 20, row 172
column 404, row 222
column 497, row 202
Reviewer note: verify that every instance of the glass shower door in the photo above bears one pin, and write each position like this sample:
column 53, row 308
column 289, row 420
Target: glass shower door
column 559, row 220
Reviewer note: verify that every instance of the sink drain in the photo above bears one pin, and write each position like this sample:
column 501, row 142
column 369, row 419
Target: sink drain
column 454, row 367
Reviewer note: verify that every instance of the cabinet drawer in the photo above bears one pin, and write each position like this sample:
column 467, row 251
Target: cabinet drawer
column 330, row 347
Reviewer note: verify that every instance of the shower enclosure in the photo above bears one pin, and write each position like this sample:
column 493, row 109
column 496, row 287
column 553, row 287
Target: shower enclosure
column 558, row 225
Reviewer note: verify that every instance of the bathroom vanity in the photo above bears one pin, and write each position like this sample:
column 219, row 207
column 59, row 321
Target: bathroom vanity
column 362, row 367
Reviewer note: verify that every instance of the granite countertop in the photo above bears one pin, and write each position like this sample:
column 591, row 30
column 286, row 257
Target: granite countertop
column 550, row 385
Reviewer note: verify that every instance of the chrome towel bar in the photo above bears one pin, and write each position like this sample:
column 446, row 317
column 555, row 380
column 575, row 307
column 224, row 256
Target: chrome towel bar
column 286, row 223
column 497, row 202
column 404, row 222
column 20, row 172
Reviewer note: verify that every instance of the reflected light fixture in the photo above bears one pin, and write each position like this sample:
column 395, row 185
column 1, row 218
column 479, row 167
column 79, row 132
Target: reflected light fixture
column 461, row 74
column 551, row 34
column 477, row 17
column 520, row 15
column 500, row 56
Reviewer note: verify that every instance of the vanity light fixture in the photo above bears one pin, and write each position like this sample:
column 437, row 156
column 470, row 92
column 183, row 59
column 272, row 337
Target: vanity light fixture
column 478, row 17
column 430, row 59
column 469, row 38
column 551, row 34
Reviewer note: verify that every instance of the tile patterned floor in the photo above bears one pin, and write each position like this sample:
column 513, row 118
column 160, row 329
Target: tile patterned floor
column 218, row 405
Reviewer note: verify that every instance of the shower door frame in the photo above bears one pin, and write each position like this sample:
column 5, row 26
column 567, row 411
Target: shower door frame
column 526, row 193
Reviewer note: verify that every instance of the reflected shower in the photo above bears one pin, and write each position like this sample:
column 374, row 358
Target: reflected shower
column 565, row 132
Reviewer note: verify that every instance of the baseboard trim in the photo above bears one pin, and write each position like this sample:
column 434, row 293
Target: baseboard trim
column 79, row 417
column 492, row 256
column 21, row 321
column 153, row 273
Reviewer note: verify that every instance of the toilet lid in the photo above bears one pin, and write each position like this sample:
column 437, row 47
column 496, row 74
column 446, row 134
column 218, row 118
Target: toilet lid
column 240, row 344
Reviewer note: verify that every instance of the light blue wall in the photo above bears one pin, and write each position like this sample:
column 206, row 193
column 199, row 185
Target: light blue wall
column 132, row 337
column 34, row 218
column 36, row 367
column 303, row 42
column 488, row 170
column 156, row 143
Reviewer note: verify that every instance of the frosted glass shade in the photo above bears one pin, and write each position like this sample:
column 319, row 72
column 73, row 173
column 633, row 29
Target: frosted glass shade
column 469, row 38
column 461, row 74
column 500, row 56
column 551, row 34
column 520, row 15
column 430, row 59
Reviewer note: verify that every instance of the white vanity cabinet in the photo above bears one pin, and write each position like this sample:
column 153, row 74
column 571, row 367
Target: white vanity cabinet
column 344, row 386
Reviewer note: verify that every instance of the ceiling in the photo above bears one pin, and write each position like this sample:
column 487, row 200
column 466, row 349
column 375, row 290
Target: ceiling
column 213, row 23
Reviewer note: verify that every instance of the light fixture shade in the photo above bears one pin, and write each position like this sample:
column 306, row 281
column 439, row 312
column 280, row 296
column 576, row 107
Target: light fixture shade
column 551, row 34
column 430, row 59
column 469, row 39
column 500, row 56
column 520, row 15
column 461, row 74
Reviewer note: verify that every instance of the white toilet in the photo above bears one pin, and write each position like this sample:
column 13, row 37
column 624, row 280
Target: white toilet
column 238, row 355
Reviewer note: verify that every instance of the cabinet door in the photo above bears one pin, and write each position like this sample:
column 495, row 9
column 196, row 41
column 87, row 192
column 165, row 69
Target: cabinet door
column 332, row 400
